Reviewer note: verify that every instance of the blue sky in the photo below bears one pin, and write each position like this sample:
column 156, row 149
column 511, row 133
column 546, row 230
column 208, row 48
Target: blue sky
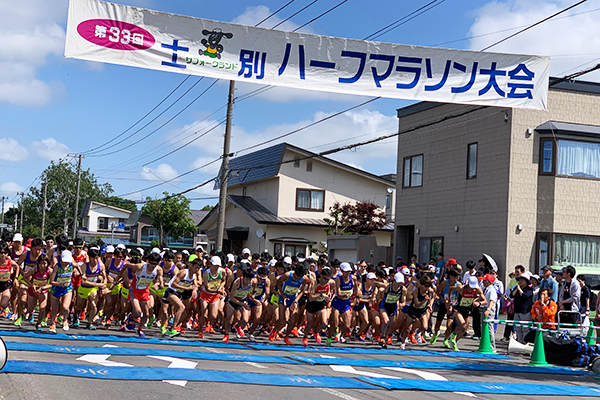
column 50, row 106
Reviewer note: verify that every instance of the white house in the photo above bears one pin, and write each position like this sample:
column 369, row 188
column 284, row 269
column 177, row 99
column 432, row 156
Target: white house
column 278, row 197
column 99, row 219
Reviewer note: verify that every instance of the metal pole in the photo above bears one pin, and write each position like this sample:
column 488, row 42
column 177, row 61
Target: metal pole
column 22, row 207
column 225, row 169
column 77, row 197
column 2, row 222
column 44, row 205
column 112, row 233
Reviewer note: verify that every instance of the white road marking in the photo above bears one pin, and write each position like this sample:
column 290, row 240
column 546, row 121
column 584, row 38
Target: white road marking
column 324, row 356
column 212, row 350
column 338, row 394
column 429, row 376
column 176, row 363
column 102, row 359
column 109, row 345
column 350, row 370
column 255, row 364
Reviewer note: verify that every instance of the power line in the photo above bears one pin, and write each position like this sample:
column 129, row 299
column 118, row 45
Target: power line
column 294, row 14
column 533, row 25
column 275, row 12
column 321, row 15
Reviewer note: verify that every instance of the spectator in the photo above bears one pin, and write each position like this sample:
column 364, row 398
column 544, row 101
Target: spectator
column 441, row 264
column 488, row 311
column 586, row 294
column 470, row 271
column 499, row 286
column 549, row 282
column 508, row 329
column 569, row 296
column 543, row 311
column 522, row 295
column 535, row 285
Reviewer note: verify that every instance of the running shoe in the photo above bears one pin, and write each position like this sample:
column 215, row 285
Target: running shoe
column 122, row 328
column 39, row 327
column 52, row 328
column 163, row 330
column 287, row 340
column 343, row 340
column 383, row 344
column 173, row 333
column 210, row 329
column 453, row 344
column 182, row 330
column 75, row 321
column 272, row 335
column 65, row 326
column 150, row 323
column 91, row 327
column 419, row 338
column 305, row 342
column 412, row 337
column 59, row 319
column 389, row 340
column 141, row 334
column 30, row 320
column 328, row 342
column 446, row 343
column 295, row 332
column 317, row 338
column 18, row 321
column 251, row 338
column 402, row 346
column 239, row 332
column 44, row 322
column 225, row 338
column 200, row 334
column 434, row 338
column 130, row 325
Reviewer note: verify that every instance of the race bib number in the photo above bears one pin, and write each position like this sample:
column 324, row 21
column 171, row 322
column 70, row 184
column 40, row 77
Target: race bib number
column 392, row 298
column 345, row 294
column 39, row 282
column 290, row 291
column 113, row 275
column 92, row 279
column 4, row 276
column 63, row 280
column 241, row 294
column 144, row 282
column 213, row 286
column 466, row 302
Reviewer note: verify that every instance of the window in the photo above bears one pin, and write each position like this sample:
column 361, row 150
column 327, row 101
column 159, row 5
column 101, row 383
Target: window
column 413, row 171
column 388, row 201
column 309, row 166
column 244, row 191
column 310, row 200
column 547, row 157
column 102, row 223
column 578, row 159
column 472, row 160
column 296, row 162
column 576, row 250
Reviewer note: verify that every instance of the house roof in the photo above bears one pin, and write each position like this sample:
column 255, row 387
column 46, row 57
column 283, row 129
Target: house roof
column 265, row 163
column 85, row 209
column 568, row 128
column 198, row 215
column 262, row 215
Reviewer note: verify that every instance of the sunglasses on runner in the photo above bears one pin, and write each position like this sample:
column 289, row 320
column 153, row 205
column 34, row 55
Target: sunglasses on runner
column 4, row 252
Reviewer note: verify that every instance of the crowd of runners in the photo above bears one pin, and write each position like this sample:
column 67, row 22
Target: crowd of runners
column 66, row 282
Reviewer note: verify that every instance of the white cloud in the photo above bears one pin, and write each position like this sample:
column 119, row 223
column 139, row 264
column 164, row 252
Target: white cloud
column 571, row 40
column 162, row 172
column 352, row 127
column 12, row 150
column 29, row 34
column 11, row 187
column 50, row 149
column 8, row 205
column 253, row 15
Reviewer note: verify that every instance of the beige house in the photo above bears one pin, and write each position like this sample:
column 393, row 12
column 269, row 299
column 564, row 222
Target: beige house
column 520, row 185
column 278, row 197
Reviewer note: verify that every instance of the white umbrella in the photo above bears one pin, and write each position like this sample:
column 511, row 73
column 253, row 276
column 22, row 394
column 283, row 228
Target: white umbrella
column 491, row 261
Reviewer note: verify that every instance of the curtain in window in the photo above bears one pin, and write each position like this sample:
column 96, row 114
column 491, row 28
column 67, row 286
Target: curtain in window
column 407, row 172
column 303, row 198
column 317, row 201
column 578, row 159
column 577, row 250
column 417, row 171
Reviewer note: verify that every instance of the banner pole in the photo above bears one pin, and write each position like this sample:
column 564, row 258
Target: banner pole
column 225, row 169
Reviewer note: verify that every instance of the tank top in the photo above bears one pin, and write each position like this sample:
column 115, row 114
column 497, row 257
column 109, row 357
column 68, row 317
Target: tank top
column 91, row 275
column 186, row 281
column 142, row 280
column 168, row 274
column 80, row 259
column 214, row 282
column 366, row 294
column 322, row 290
column 28, row 264
column 40, row 279
column 420, row 298
column 13, row 254
column 346, row 288
column 242, row 291
column 6, row 270
column 260, row 288
column 291, row 286
column 390, row 296
column 113, row 270
column 466, row 298
column 63, row 276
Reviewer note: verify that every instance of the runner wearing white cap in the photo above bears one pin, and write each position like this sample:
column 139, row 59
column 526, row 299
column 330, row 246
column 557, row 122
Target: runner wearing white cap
column 213, row 290
column 468, row 302
column 393, row 298
column 341, row 305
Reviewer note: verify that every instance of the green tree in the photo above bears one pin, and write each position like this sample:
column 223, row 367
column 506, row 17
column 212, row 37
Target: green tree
column 207, row 208
column 171, row 216
column 125, row 204
column 61, row 179
column 360, row 218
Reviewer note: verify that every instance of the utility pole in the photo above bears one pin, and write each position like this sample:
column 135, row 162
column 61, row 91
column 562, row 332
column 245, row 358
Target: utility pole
column 2, row 222
column 77, row 196
column 22, row 207
column 225, row 168
column 44, row 205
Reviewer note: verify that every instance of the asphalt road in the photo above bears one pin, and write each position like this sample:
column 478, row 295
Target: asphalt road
column 45, row 386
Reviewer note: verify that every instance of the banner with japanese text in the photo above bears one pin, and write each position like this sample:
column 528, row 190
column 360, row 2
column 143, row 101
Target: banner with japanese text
column 117, row 34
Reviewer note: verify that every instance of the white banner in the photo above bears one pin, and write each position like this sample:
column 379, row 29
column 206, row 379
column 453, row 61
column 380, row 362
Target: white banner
column 117, row 34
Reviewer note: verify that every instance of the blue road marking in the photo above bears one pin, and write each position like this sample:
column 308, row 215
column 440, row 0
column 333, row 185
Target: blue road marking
column 487, row 367
column 192, row 375
column 128, row 351
column 486, row 387
column 255, row 346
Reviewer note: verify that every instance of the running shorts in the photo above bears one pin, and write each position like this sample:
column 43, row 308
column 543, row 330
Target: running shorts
column 274, row 299
column 315, row 306
column 85, row 292
column 142, row 295
column 287, row 301
column 209, row 297
column 441, row 312
column 125, row 292
column 159, row 292
column 416, row 313
column 60, row 291
column 341, row 305
column 185, row 295
column 235, row 306
column 390, row 308
column 303, row 299
column 116, row 290
column 5, row 285
column 464, row 311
